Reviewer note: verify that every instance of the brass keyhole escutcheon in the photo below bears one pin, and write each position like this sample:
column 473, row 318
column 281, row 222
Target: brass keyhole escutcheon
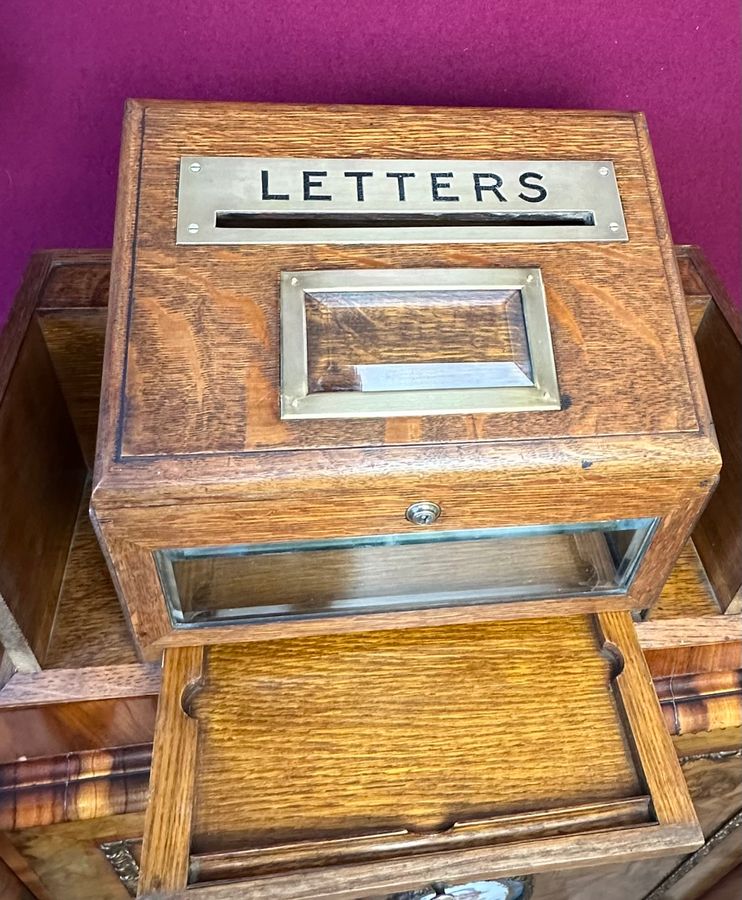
column 423, row 513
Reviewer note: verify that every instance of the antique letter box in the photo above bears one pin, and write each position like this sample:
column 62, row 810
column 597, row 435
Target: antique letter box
column 374, row 368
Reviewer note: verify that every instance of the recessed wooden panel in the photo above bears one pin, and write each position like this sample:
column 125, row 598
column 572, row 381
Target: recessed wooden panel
column 75, row 339
column 434, row 734
column 41, row 479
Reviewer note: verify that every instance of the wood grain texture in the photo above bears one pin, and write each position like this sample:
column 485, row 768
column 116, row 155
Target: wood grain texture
column 347, row 330
column 77, row 279
column 53, row 686
column 21, row 312
column 653, row 746
column 67, row 856
column 11, row 887
column 75, row 339
column 69, row 727
column 683, row 631
column 715, row 786
column 629, row 881
column 563, row 133
column 664, row 238
column 701, row 702
column 85, row 785
column 240, row 329
column 20, row 867
column 687, row 589
column 718, row 535
column 690, row 691
column 190, row 411
column 729, row 887
column 238, row 864
column 69, row 290
column 63, row 281
column 100, row 636
column 696, row 876
column 715, row 287
column 41, row 471
column 691, row 658
column 350, row 882
column 75, row 273
column 696, row 291
column 330, row 748
column 168, row 822
column 71, row 280
column 351, row 514
column 708, row 743
column 276, row 720
column 41, row 478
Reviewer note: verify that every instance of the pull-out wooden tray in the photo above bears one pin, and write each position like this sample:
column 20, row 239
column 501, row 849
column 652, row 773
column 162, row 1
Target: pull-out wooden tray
column 359, row 765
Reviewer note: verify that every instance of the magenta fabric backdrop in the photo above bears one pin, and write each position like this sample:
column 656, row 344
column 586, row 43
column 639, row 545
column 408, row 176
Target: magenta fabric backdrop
column 66, row 67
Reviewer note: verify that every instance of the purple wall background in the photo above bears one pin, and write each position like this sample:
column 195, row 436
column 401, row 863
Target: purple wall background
column 66, row 67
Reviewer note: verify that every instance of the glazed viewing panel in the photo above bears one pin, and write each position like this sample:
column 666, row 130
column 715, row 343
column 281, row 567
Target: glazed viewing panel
column 302, row 580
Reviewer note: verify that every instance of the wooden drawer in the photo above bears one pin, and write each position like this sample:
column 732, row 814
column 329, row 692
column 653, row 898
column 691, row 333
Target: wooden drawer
column 368, row 764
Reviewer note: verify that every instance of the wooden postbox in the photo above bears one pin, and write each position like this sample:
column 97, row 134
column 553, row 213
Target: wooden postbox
column 374, row 368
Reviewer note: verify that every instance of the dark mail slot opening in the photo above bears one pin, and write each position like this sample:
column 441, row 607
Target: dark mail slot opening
column 578, row 218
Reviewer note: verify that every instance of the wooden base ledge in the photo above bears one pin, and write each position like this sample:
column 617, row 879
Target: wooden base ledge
column 78, row 685
column 598, row 817
column 143, row 679
column 692, row 630
column 348, row 882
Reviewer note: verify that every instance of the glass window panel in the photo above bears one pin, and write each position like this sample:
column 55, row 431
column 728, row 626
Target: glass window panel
column 394, row 342
column 415, row 340
column 386, row 573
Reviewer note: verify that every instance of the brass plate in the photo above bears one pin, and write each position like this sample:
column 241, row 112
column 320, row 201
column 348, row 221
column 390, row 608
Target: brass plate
column 248, row 200
column 538, row 391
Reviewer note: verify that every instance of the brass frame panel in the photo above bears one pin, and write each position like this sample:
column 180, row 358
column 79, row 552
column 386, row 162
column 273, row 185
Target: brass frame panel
column 298, row 403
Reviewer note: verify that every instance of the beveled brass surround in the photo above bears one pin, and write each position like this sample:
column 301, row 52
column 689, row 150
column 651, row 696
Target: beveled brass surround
column 535, row 390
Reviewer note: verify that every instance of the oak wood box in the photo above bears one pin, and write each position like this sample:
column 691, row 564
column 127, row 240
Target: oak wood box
column 383, row 367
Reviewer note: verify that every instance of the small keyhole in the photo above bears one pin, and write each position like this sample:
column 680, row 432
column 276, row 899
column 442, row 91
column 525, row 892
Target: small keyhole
column 423, row 513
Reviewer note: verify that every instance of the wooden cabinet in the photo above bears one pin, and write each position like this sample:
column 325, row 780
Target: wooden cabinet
column 72, row 818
